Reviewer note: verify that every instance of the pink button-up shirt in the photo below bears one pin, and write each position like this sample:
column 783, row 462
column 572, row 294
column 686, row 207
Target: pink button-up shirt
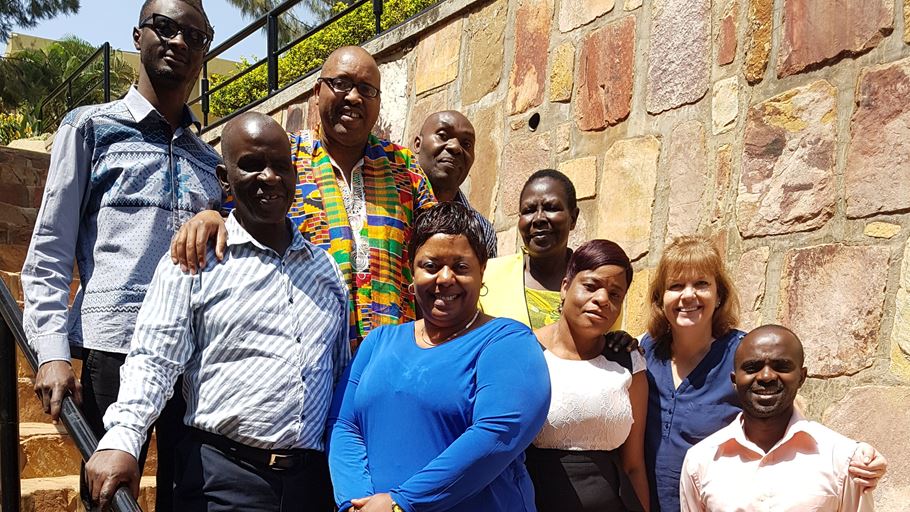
column 806, row 471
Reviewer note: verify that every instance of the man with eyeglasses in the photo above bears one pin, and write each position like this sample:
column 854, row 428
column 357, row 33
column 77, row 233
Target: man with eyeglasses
column 123, row 177
column 356, row 197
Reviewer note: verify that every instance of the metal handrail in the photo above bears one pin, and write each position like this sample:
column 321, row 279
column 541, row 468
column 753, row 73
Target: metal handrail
column 273, row 51
column 67, row 85
column 12, row 334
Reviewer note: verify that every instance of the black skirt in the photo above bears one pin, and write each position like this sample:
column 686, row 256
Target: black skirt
column 580, row 481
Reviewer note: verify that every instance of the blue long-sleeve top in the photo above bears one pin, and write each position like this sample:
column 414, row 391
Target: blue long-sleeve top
column 444, row 428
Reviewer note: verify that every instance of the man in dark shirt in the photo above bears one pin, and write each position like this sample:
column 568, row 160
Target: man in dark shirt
column 445, row 151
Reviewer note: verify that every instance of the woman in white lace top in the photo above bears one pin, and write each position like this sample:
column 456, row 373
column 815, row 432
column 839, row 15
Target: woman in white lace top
column 589, row 456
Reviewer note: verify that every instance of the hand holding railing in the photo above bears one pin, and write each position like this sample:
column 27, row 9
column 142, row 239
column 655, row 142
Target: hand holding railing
column 12, row 334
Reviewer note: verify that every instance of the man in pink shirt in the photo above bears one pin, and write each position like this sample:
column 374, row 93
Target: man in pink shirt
column 770, row 457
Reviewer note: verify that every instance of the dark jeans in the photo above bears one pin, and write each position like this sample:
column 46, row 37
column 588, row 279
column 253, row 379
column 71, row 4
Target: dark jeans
column 210, row 480
column 100, row 385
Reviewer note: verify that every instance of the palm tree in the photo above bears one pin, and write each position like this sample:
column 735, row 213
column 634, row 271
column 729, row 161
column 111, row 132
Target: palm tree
column 290, row 26
column 29, row 75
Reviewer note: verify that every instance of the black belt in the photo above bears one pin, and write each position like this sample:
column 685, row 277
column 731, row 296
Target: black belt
column 278, row 460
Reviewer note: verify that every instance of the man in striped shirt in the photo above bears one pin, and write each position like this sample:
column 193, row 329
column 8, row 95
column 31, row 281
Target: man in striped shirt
column 445, row 151
column 261, row 339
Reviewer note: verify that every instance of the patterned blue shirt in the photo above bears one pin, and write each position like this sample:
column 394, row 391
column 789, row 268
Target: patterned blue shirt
column 120, row 184
column 261, row 339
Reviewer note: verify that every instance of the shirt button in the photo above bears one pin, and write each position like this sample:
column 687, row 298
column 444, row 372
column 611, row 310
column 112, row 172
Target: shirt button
column 290, row 300
column 298, row 339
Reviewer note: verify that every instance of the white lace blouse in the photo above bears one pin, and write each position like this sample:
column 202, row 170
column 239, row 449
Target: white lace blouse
column 590, row 407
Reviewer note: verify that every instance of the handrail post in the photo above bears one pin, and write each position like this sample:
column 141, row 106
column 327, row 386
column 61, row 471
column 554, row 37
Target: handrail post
column 272, row 44
column 377, row 13
column 204, row 93
column 107, row 72
column 10, row 490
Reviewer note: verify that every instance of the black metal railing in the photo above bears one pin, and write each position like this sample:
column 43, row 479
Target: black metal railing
column 11, row 334
column 66, row 87
column 273, row 51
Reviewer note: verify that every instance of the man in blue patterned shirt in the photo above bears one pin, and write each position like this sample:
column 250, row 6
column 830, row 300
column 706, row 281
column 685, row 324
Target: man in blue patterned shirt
column 260, row 338
column 123, row 177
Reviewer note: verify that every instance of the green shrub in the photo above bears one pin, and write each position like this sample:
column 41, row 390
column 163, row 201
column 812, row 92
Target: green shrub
column 354, row 28
column 14, row 126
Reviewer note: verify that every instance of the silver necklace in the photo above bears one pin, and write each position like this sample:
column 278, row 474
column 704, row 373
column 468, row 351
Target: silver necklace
column 457, row 334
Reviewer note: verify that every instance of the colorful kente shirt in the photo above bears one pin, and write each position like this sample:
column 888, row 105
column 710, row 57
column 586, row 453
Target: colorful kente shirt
column 394, row 188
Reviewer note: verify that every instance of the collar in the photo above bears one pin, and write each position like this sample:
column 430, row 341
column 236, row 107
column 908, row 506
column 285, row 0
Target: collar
column 798, row 425
column 461, row 199
column 140, row 108
column 239, row 236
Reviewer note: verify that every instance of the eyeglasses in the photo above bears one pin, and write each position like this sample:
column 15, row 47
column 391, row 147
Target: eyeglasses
column 345, row 85
column 167, row 28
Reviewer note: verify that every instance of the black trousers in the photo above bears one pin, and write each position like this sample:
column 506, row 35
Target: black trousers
column 208, row 479
column 100, row 386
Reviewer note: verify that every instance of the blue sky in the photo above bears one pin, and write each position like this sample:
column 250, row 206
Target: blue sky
column 112, row 20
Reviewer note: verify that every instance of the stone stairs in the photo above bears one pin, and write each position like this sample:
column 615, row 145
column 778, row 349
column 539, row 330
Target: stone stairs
column 49, row 461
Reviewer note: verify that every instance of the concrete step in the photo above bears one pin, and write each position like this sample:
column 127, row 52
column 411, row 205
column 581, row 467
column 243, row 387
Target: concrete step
column 47, row 450
column 61, row 494
column 30, row 408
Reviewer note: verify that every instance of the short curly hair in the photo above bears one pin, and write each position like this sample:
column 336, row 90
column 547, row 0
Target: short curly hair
column 448, row 218
column 685, row 255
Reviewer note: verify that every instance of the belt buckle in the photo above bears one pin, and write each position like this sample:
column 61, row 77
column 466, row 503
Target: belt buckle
column 277, row 458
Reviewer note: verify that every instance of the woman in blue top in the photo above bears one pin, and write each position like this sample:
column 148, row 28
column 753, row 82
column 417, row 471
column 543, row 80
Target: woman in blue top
column 434, row 415
column 689, row 351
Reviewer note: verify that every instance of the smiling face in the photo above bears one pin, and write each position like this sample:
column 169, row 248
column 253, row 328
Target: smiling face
column 447, row 280
column 544, row 218
column 592, row 301
column 768, row 372
column 690, row 300
column 170, row 60
column 445, row 151
column 257, row 168
column 347, row 118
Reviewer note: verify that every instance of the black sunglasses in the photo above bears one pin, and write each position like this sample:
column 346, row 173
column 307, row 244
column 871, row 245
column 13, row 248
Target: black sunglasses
column 167, row 28
column 345, row 85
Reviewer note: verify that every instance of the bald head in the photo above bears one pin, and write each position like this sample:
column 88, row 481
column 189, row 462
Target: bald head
column 347, row 99
column 768, row 372
column 445, row 151
column 255, row 125
column 349, row 55
column 784, row 337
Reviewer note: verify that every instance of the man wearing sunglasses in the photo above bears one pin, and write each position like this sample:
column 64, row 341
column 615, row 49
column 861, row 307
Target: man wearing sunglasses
column 356, row 196
column 123, row 177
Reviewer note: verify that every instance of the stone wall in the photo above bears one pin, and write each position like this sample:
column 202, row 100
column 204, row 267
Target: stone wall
column 22, row 176
column 780, row 128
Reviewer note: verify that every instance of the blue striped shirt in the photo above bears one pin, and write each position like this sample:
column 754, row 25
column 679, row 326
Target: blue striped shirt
column 260, row 338
column 121, row 182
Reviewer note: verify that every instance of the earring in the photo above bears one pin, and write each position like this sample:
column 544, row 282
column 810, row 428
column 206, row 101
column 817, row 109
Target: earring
column 484, row 290
column 411, row 289
column 559, row 307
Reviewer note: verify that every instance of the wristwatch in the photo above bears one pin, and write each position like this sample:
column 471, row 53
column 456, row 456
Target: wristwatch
column 396, row 507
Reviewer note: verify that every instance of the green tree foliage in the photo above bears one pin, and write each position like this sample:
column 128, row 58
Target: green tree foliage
column 27, row 77
column 19, row 13
column 354, row 28
column 290, row 26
